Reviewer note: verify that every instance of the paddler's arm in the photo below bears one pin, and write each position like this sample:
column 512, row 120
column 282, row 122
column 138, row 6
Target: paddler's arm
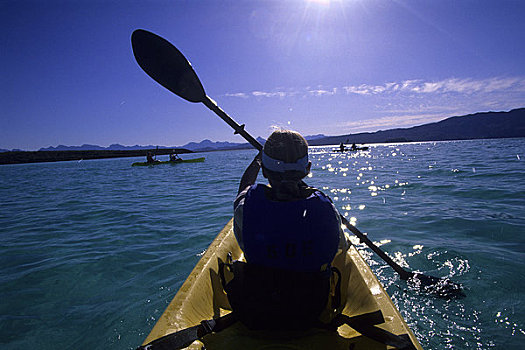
column 250, row 174
column 248, row 178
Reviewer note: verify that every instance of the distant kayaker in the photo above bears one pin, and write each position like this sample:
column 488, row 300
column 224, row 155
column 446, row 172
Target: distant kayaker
column 289, row 233
column 354, row 147
column 342, row 147
column 149, row 157
column 174, row 157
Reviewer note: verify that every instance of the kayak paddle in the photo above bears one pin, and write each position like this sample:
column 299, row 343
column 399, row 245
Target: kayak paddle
column 443, row 287
column 167, row 66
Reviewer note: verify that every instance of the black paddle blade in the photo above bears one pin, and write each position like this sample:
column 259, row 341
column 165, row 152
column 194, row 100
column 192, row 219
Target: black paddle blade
column 166, row 65
column 441, row 287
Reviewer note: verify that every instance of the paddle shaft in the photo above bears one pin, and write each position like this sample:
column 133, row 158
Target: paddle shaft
column 404, row 274
column 239, row 129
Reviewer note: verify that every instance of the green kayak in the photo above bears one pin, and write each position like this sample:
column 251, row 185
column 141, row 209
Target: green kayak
column 194, row 160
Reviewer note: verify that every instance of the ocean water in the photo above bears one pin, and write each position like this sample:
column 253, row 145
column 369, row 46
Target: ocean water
column 92, row 252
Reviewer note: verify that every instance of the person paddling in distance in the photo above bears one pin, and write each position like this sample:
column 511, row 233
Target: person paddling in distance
column 174, row 157
column 149, row 157
column 289, row 234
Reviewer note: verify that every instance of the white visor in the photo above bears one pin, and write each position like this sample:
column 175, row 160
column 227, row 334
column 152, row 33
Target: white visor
column 280, row 166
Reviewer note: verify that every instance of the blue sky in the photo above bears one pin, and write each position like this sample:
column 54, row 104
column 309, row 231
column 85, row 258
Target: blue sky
column 68, row 76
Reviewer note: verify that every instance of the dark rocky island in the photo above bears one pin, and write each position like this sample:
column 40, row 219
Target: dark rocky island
column 18, row 157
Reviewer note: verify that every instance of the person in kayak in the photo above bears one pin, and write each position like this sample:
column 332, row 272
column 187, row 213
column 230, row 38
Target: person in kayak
column 342, row 147
column 289, row 233
column 174, row 157
column 149, row 157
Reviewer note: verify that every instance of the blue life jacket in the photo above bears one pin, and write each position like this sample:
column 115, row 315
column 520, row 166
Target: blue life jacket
column 300, row 235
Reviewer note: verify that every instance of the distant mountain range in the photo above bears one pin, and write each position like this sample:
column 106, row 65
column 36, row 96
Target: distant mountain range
column 487, row 125
column 203, row 146
column 113, row 147
column 472, row 126
column 207, row 145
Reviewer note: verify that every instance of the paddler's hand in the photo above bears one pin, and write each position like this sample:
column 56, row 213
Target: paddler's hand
column 250, row 174
column 258, row 159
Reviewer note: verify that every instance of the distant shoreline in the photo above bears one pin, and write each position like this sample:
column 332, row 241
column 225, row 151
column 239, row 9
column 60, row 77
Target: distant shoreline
column 483, row 125
column 21, row 157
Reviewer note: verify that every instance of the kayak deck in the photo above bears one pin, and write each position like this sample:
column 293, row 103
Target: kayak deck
column 194, row 160
column 201, row 297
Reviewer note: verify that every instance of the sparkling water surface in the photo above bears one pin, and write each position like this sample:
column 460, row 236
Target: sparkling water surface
column 93, row 251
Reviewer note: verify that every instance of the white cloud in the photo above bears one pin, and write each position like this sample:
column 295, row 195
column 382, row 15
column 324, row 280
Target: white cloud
column 409, row 102
column 238, row 94
column 451, row 85
column 359, row 90
column 465, row 86
column 321, row 92
column 280, row 94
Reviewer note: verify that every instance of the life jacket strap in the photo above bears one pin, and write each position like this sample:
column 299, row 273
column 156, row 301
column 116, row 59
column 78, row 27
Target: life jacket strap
column 366, row 325
column 336, row 299
column 184, row 338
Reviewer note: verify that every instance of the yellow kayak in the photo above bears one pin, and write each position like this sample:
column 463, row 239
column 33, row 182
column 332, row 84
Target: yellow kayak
column 201, row 297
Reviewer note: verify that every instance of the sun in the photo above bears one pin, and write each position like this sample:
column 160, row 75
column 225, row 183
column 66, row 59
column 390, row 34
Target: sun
column 320, row 2
column 324, row 3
